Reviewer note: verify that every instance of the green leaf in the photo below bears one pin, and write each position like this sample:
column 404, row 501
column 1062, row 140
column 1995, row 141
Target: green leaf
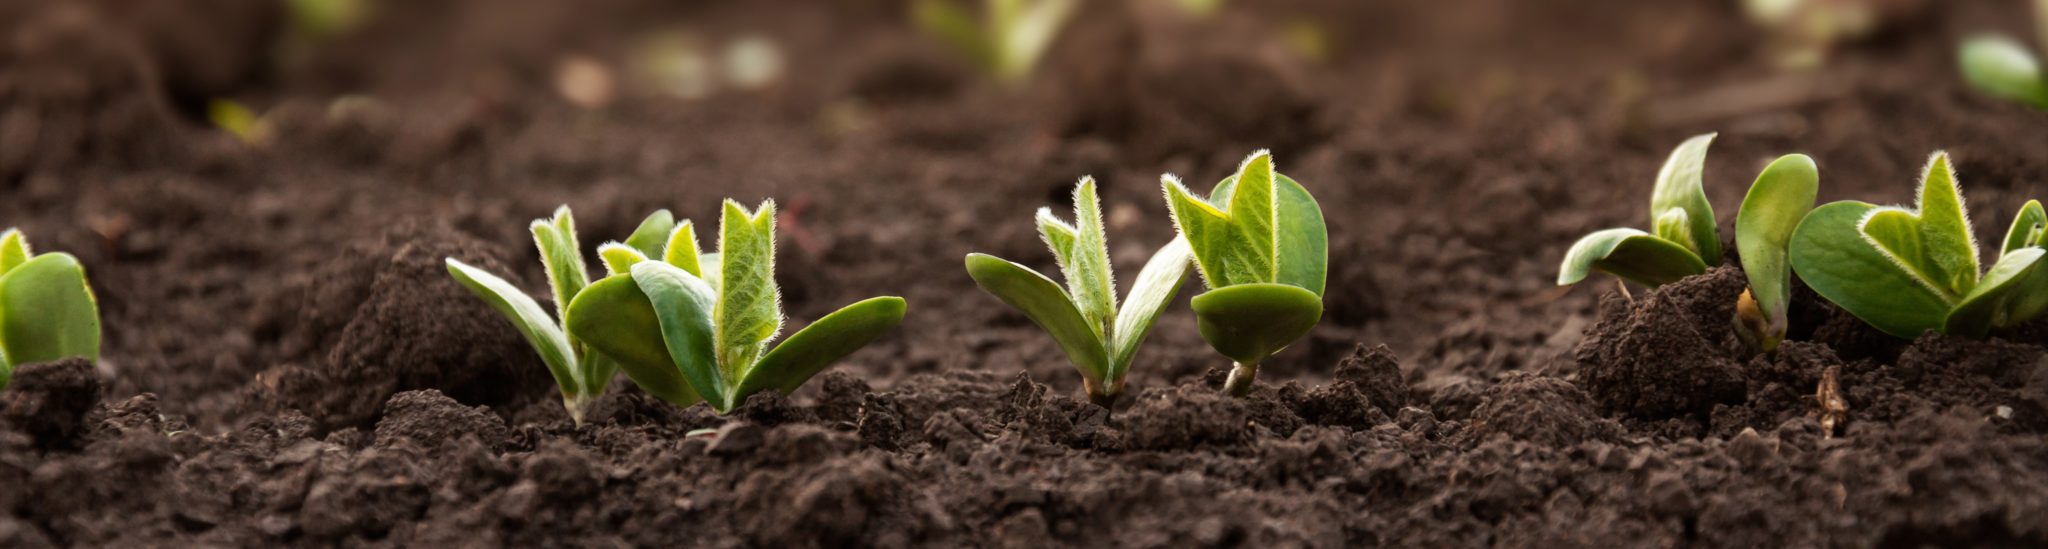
column 947, row 21
column 2004, row 68
column 1830, row 253
column 684, row 306
column 2011, row 293
column 651, row 237
column 1250, row 322
column 1304, row 241
column 1932, row 242
column 47, row 312
column 749, row 309
column 811, row 349
column 1781, row 196
column 1042, row 300
column 14, row 250
column 1083, row 253
column 2028, row 228
column 1679, row 187
column 619, row 258
column 1025, row 30
column 533, row 322
column 682, row 250
column 561, row 255
column 1631, row 254
column 1157, row 283
column 616, row 319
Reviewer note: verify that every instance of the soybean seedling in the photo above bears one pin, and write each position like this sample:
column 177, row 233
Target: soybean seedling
column 47, row 310
column 2003, row 67
column 580, row 373
column 1008, row 37
column 695, row 326
column 1781, row 196
column 1803, row 32
column 1098, row 336
column 1261, row 246
column 1906, row 271
column 1684, row 242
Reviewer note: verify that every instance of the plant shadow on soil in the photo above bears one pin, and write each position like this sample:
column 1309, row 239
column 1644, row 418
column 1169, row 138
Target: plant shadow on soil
column 358, row 396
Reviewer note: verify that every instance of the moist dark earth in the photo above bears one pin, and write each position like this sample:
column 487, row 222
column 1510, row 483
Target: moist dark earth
column 287, row 364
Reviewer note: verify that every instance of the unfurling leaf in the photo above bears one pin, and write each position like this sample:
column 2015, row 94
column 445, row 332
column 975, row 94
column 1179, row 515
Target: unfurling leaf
column 1781, row 196
column 1633, row 255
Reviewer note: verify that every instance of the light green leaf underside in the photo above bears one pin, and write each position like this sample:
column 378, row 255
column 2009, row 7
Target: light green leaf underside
column 1831, row 255
column 14, row 250
column 1046, row 304
column 1933, row 244
column 47, row 312
column 1679, row 186
column 682, row 249
column 533, row 322
column 1083, row 253
column 748, row 311
column 1633, row 255
column 619, row 258
column 683, row 305
column 1154, row 290
column 818, row 345
column 1250, row 322
column 615, row 318
column 651, row 237
column 2028, row 228
column 1781, row 196
column 1304, row 239
column 562, row 257
column 2003, row 67
column 2015, row 290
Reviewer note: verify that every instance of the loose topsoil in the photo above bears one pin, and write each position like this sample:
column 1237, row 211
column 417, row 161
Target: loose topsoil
column 287, row 363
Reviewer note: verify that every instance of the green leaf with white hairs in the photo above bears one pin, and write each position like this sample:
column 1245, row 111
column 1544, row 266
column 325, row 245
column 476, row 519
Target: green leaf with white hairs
column 682, row 250
column 1239, row 245
column 651, row 237
column 561, row 255
column 1932, row 242
column 14, row 250
column 47, row 312
column 1829, row 253
column 532, row 321
column 2003, row 67
column 749, row 311
column 1631, row 254
column 619, row 257
column 2010, row 293
column 1680, row 187
column 2028, row 228
column 683, row 304
column 1083, row 253
column 1154, row 290
column 1780, row 198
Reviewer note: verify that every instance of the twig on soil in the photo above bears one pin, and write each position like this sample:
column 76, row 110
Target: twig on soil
column 1832, row 408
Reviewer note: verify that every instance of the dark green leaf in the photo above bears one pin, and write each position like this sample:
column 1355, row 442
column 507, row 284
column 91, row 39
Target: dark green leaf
column 615, row 318
column 684, row 305
column 1633, row 255
column 811, row 349
column 1045, row 303
column 1830, row 253
column 1250, row 322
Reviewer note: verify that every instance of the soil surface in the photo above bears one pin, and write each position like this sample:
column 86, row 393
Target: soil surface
column 287, row 364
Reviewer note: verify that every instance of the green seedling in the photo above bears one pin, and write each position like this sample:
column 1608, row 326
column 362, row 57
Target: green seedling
column 2004, row 67
column 1684, row 242
column 693, row 326
column 1804, row 32
column 1909, row 271
column 47, row 310
column 580, row 373
column 1006, row 39
column 1098, row 336
column 1261, row 246
column 1781, row 196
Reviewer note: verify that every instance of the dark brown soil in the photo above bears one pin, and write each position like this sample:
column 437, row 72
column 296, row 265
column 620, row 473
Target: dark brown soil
column 286, row 363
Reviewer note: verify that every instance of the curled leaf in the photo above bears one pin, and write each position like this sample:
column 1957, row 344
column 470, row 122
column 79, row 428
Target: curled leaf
column 1631, row 254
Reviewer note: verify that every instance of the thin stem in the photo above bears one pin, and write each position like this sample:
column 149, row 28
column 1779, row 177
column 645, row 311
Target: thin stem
column 576, row 406
column 1241, row 378
column 1099, row 395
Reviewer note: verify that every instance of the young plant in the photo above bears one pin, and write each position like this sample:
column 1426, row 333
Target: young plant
column 1781, row 196
column 1261, row 246
column 2003, row 67
column 1685, row 241
column 695, row 326
column 1908, row 271
column 1099, row 337
column 47, row 310
column 1006, row 40
column 1803, row 32
column 580, row 373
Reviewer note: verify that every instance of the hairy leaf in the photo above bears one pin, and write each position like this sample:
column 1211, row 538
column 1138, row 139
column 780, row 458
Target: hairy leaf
column 1239, row 246
column 651, row 237
column 2010, row 293
column 533, row 322
column 1157, row 283
column 1631, row 254
column 14, row 250
column 2027, row 230
column 1679, row 186
column 1250, row 322
column 683, row 304
column 616, row 319
column 1042, row 300
column 1931, row 242
column 561, row 255
column 1781, row 196
column 817, row 346
column 619, row 257
column 1083, row 253
column 749, row 310
column 2003, row 67
column 1304, row 241
column 47, row 312
column 1830, row 253
column 682, row 249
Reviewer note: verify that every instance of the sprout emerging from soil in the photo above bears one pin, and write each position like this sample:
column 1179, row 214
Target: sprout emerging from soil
column 1008, row 37
column 2003, row 67
column 1685, row 241
column 1098, row 337
column 580, row 373
column 1906, row 271
column 1261, row 246
column 47, row 310
column 693, row 326
column 1803, row 32
column 1781, row 196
